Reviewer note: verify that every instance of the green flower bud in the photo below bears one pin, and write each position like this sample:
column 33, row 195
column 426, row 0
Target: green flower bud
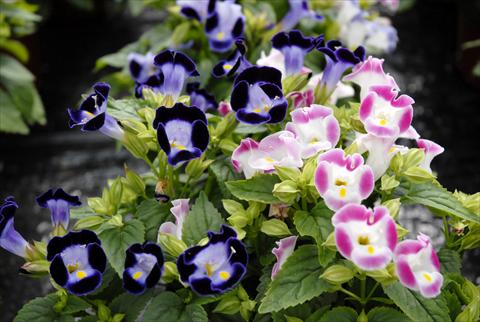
column 229, row 306
column 413, row 158
column 37, row 267
column 275, row 227
column 91, row 222
column 232, row 207
column 286, row 191
column 337, row 274
column 136, row 146
column 170, row 272
column 388, row 182
column 401, row 232
column 393, row 207
column 118, row 317
column 116, row 220
column 295, row 82
column 287, row 173
column 380, row 275
column 418, row 175
column 171, row 244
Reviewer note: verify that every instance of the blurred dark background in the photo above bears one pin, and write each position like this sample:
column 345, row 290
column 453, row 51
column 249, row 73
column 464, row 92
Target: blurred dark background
column 428, row 64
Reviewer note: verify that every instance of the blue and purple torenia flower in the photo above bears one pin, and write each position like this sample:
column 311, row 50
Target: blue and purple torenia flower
column 216, row 267
column 195, row 9
column 235, row 63
column 59, row 203
column 257, row 96
column 143, row 267
column 182, row 132
column 299, row 9
column 175, row 68
column 10, row 239
column 144, row 72
column 77, row 261
column 224, row 24
column 92, row 114
column 200, row 98
column 294, row 46
column 338, row 60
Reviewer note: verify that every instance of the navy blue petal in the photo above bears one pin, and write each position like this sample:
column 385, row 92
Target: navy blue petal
column 251, row 117
column 131, row 285
column 57, row 244
column 60, row 194
column 327, row 51
column 178, row 112
column 187, row 63
column 238, row 28
column 278, row 112
column 240, row 255
column 184, row 269
column 43, row 198
column 297, row 39
column 88, row 104
column 183, row 155
column 191, row 87
column 360, row 53
column 95, row 123
column 97, row 257
column 190, row 13
column 135, row 68
column 202, row 286
column 7, row 211
column 163, row 58
column 257, row 74
column 212, row 22
column 102, row 89
column 220, row 45
column 346, row 56
column 59, row 271
column 155, row 250
column 162, row 138
column 239, row 97
column 225, row 233
column 85, row 285
column 154, row 276
column 238, row 272
column 200, row 136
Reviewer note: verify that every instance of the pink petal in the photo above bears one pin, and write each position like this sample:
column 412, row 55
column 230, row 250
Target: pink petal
column 333, row 130
column 351, row 212
column 343, row 242
column 285, row 247
column 368, row 262
column 405, row 273
column 367, row 182
column 321, row 177
column 366, row 107
column 432, row 289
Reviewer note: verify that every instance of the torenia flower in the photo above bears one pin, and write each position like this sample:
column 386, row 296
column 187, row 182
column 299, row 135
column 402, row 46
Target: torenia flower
column 175, row 67
column 342, row 90
column 77, row 261
column 431, row 150
column 315, row 128
column 59, row 203
column 224, row 24
column 200, row 98
column 257, row 96
column 235, row 63
column 92, row 114
column 342, row 179
column 365, row 237
column 182, row 132
column 143, row 267
column 144, row 72
column 180, row 210
column 10, row 239
column 216, row 267
column 274, row 59
column 284, row 249
column 368, row 74
column 418, row 267
column 294, row 46
column 384, row 114
column 224, row 108
column 300, row 99
column 298, row 10
column 278, row 149
column 194, row 9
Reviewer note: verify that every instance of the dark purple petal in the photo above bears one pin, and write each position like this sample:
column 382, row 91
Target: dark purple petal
column 97, row 257
column 178, row 112
column 239, row 97
column 187, row 63
column 202, row 286
column 212, row 22
column 240, row 255
column 238, row 28
column 95, row 123
column 154, row 276
column 184, row 269
column 184, row 155
column 257, row 74
column 59, row 271
column 190, row 13
column 102, row 89
column 59, row 194
column 165, row 57
column 225, row 234
column 89, row 105
column 200, row 136
column 131, row 285
column 162, row 138
column 58, row 244
column 239, row 271
column 278, row 112
column 85, row 285
column 251, row 117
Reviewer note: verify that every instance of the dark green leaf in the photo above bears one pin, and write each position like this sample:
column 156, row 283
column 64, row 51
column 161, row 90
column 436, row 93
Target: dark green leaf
column 316, row 224
column 38, row 310
column 153, row 214
column 169, row 307
column 340, row 314
column 386, row 314
column 450, row 261
column 223, row 171
column 259, row 188
column 130, row 305
column 75, row 304
column 13, row 71
column 193, row 313
column 11, row 119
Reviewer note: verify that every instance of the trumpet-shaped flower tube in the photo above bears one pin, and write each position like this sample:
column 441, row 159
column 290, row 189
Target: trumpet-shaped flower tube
column 367, row 238
column 143, row 267
column 144, row 72
column 368, row 74
column 182, row 132
column 284, row 249
column 224, row 24
column 431, row 150
column 215, row 267
column 298, row 10
column 10, row 239
column 235, row 63
column 384, row 114
column 200, row 98
column 257, row 96
column 315, row 128
column 77, row 261
column 342, row 179
column 342, row 90
column 175, row 68
column 59, row 203
column 294, row 46
column 278, row 149
column 194, row 9
column 92, row 114
column 418, row 267
column 180, row 210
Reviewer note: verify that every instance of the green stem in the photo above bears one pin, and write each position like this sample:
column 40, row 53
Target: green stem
column 153, row 168
column 445, row 228
column 171, row 181
column 371, row 292
column 208, row 185
column 304, row 204
column 185, row 186
column 352, row 295
column 363, row 284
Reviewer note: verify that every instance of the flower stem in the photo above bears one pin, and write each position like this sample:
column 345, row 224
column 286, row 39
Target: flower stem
column 445, row 228
column 371, row 292
column 363, row 284
column 352, row 295
column 153, row 168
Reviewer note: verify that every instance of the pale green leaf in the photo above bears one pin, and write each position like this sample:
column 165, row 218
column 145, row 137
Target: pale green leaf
column 259, row 188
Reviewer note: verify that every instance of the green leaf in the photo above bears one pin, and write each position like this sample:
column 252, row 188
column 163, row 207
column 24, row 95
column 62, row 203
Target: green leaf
column 130, row 305
column 193, row 313
column 10, row 118
column 259, row 188
column 223, row 171
column 450, row 261
column 386, row 314
column 13, row 71
column 153, row 214
column 438, row 199
column 169, row 307
column 340, row 314
column 16, row 48
column 317, row 224
column 116, row 240
column 415, row 306
column 202, row 218
column 75, row 304
column 38, row 310
column 298, row 281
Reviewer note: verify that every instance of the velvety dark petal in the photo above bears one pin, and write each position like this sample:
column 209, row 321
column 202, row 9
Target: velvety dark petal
column 76, row 117
column 200, row 136
column 190, row 13
column 134, row 68
column 225, row 233
column 57, row 244
column 155, row 81
column 237, row 28
column 211, row 22
column 241, row 47
column 131, row 285
column 154, row 276
column 183, row 155
column 319, row 41
column 162, row 138
column 85, row 285
column 273, row 91
column 240, row 255
column 211, row 6
column 278, row 112
column 155, row 250
column 220, row 46
column 202, row 286
column 297, row 39
column 95, row 123
column 218, row 70
column 179, row 112
column 88, row 104
column 184, row 269
column 237, row 274
column 130, row 259
column 252, row 118
column 239, row 97
column 346, row 56
column 334, row 44
column 187, row 63
column 59, row 271
column 257, row 74
column 191, row 87
column 165, row 57
column 328, row 52
column 97, row 257
column 360, row 53
column 44, row 197
column 280, row 40
column 62, row 195
column 102, row 89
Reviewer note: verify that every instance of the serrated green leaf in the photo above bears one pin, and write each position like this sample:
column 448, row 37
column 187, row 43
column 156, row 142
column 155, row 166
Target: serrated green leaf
column 169, row 307
column 259, row 188
column 415, row 306
column 298, row 281
column 193, row 313
column 223, row 171
column 10, row 117
column 450, row 261
column 116, row 240
column 39, row 309
column 130, row 305
column 316, row 224
column 386, row 314
column 13, row 71
column 74, row 305
column 153, row 214
column 340, row 314
column 202, row 218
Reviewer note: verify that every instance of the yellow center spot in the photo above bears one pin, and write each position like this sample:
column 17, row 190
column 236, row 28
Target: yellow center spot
column 209, row 269
column 266, row 108
column 313, row 141
column 178, row 146
column 363, row 240
column 269, row 160
column 257, row 110
column 370, row 249
column 427, row 277
column 72, row 267
column 224, row 275
column 392, row 149
column 137, row 275
column 81, row 274
column 382, row 122
column 220, row 35
column 339, row 182
column 227, row 67
column 342, row 193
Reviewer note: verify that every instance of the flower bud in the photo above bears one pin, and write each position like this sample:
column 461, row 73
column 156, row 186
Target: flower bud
column 337, row 274
column 418, row 175
column 275, row 227
column 170, row 272
column 393, row 207
column 286, row 191
column 91, row 222
column 229, row 305
column 171, row 244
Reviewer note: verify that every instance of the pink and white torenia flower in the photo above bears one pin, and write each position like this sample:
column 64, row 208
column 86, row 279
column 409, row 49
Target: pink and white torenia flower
column 284, row 249
column 418, row 267
column 384, row 114
column 370, row 73
column 278, row 149
column 180, row 210
column 431, row 150
column 367, row 238
column 315, row 128
column 341, row 179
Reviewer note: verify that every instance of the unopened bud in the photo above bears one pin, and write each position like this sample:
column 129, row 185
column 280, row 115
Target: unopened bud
column 337, row 274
